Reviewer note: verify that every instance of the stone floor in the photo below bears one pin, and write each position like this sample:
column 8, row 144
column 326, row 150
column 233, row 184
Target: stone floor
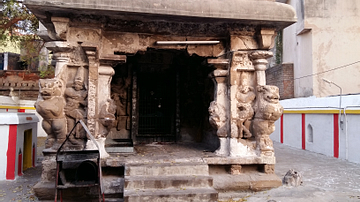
column 325, row 179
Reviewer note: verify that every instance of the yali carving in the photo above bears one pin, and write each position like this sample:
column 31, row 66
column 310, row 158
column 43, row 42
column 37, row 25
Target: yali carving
column 267, row 111
column 107, row 117
column 50, row 105
column 218, row 118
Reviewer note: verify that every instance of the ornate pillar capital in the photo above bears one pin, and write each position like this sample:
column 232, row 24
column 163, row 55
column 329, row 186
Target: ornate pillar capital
column 259, row 60
column 221, row 72
column 61, row 54
column 107, row 62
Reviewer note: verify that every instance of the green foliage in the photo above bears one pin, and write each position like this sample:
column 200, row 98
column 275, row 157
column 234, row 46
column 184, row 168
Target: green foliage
column 279, row 47
column 48, row 73
column 18, row 27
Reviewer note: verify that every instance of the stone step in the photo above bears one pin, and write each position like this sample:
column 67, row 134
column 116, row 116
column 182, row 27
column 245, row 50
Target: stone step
column 114, row 200
column 171, row 195
column 167, row 169
column 163, row 182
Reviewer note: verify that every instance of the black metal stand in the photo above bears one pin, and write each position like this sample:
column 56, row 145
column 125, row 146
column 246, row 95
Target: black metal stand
column 78, row 169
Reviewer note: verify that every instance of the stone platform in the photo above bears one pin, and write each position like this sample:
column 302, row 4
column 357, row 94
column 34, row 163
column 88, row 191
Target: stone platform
column 176, row 172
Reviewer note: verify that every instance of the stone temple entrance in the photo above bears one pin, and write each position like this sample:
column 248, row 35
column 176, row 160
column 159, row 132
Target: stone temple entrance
column 146, row 71
column 156, row 93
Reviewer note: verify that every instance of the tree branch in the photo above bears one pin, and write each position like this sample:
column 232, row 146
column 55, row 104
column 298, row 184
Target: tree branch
column 11, row 22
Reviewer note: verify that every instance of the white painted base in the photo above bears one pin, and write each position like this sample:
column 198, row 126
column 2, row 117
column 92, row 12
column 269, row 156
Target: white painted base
column 223, row 150
column 237, row 149
column 101, row 143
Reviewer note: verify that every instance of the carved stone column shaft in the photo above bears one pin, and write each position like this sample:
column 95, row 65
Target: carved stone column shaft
column 219, row 108
column 92, row 91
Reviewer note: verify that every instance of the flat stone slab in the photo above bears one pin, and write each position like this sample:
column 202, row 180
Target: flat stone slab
column 240, row 10
column 172, row 194
column 246, row 182
column 163, row 182
column 180, row 154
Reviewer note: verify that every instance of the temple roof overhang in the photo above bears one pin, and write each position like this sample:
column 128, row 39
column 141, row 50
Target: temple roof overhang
column 245, row 12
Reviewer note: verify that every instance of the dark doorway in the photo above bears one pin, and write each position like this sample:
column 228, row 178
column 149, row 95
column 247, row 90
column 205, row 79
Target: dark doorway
column 157, row 102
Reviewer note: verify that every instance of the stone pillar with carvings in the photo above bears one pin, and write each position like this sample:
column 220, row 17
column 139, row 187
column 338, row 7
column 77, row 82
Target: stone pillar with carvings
column 92, row 112
column 219, row 108
column 267, row 107
column 107, row 117
column 93, row 109
column 241, row 98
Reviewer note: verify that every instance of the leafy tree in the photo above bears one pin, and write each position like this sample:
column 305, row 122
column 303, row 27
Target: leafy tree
column 18, row 27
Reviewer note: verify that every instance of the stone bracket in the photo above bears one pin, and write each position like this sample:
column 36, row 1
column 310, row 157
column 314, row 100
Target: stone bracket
column 61, row 26
column 266, row 38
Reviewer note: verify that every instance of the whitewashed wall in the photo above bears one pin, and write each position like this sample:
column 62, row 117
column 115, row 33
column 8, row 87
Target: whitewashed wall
column 3, row 150
column 313, row 124
column 13, row 104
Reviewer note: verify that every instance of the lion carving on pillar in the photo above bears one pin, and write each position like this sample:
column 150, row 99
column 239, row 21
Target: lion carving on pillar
column 50, row 105
column 218, row 118
column 267, row 111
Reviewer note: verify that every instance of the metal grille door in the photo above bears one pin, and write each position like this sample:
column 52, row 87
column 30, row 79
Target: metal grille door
column 157, row 106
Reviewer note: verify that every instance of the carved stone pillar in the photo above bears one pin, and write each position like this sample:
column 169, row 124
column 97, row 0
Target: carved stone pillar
column 219, row 108
column 61, row 51
column 105, row 104
column 259, row 60
column 92, row 91
column 106, row 71
column 93, row 110
column 242, row 96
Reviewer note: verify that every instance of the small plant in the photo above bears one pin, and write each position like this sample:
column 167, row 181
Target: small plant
column 48, row 73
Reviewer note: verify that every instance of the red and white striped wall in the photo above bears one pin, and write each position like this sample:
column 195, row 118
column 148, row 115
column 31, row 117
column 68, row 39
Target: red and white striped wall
column 7, row 104
column 20, row 109
column 322, row 131
column 18, row 143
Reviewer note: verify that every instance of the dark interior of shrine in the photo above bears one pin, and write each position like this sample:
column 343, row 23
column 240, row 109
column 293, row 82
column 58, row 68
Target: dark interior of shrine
column 163, row 96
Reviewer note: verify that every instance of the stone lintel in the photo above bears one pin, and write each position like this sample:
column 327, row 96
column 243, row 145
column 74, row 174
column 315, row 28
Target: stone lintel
column 89, row 46
column 58, row 46
column 112, row 60
column 218, row 61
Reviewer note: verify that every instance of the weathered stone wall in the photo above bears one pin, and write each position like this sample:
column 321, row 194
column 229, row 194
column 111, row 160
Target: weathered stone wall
column 22, row 84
